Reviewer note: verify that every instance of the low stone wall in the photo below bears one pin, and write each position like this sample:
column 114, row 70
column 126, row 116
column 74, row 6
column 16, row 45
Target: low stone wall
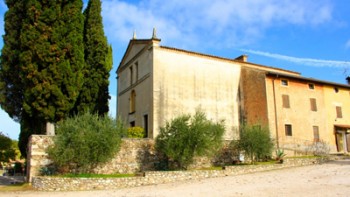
column 135, row 155
column 157, row 177
column 37, row 156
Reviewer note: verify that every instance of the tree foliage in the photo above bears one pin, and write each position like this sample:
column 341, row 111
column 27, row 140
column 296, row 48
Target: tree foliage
column 7, row 151
column 52, row 58
column 11, row 91
column 41, row 62
column 98, row 63
column 255, row 141
column 188, row 136
column 85, row 141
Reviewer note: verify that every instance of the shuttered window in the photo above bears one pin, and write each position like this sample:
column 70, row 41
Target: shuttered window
column 313, row 104
column 288, row 129
column 316, row 134
column 339, row 112
column 285, row 101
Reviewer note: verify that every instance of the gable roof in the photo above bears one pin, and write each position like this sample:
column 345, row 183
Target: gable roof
column 228, row 59
column 131, row 44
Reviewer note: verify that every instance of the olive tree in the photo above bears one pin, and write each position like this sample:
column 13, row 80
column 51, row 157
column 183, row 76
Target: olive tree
column 84, row 141
column 188, row 136
column 255, row 142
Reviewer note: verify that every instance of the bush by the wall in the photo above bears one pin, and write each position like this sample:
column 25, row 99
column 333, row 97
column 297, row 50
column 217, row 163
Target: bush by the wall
column 255, row 142
column 84, row 141
column 136, row 132
column 188, row 136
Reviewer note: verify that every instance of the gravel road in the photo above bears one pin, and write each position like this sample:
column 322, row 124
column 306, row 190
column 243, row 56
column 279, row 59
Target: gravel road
column 330, row 179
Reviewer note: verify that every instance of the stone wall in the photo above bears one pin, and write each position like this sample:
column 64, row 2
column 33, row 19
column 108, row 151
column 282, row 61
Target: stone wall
column 158, row 177
column 135, row 155
column 36, row 155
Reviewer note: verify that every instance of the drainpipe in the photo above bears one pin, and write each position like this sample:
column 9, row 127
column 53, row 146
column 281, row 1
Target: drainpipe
column 274, row 104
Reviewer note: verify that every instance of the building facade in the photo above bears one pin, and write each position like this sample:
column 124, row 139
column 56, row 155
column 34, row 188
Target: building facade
column 158, row 83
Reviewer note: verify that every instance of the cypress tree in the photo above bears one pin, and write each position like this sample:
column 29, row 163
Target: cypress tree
column 98, row 63
column 41, row 62
column 52, row 58
column 10, row 83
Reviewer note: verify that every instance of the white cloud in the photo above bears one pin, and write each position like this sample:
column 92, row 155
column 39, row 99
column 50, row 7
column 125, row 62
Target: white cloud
column 225, row 21
column 302, row 61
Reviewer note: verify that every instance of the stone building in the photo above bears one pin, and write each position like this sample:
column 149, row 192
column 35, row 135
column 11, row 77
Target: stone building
column 157, row 83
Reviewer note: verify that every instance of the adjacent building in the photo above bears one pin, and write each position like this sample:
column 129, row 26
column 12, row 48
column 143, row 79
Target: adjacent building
column 157, row 83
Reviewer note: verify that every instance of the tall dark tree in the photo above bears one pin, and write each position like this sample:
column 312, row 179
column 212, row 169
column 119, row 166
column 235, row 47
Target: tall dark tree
column 98, row 63
column 52, row 58
column 11, row 92
column 41, row 62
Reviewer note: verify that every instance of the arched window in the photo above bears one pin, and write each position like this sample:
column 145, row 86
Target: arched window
column 132, row 101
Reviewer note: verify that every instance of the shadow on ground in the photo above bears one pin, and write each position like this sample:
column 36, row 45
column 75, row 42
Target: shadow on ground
column 10, row 180
column 340, row 162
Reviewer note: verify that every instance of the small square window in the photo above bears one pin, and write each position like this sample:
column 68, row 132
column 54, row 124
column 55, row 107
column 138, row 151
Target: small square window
column 311, row 86
column 284, row 82
column 336, row 90
column 288, row 129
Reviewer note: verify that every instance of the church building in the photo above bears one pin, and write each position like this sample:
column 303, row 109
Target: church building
column 158, row 83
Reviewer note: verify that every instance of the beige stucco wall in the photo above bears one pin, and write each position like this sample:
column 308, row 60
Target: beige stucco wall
column 142, row 85
column 183, row 82
column 299, row 115
column 333, row 99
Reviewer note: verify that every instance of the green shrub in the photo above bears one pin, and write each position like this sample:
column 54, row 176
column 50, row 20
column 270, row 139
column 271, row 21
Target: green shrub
column 136, row 132
column 255, row 142
column 186, row 137
column 84, row 141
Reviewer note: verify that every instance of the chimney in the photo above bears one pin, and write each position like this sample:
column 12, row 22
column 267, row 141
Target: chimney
column 242, row 58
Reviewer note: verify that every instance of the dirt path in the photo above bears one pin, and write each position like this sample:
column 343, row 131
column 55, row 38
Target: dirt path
column 331, row 179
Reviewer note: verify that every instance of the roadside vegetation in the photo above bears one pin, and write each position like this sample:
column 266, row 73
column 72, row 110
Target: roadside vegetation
column 186, row 137
column 255, row 143
column 84, row 141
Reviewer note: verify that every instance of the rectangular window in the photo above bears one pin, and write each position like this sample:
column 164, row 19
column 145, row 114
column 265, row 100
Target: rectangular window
column 131, row 75
column 284, row 82
column 339, row 112
column 132, row 102
column 132, row 124
column 145, row 124
column 316, row 134
column 288, row 129
column 136, row 71
column 285, row 101
column 311, row 86
column 313, row 104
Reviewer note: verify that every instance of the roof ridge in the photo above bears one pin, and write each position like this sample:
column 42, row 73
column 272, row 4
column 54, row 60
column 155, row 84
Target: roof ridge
column 227, row 59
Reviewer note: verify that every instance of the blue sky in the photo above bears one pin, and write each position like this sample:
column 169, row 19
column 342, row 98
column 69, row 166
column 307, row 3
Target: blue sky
column 308, row 36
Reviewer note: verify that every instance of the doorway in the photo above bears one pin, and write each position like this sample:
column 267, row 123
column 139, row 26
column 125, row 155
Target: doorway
column 342, row 140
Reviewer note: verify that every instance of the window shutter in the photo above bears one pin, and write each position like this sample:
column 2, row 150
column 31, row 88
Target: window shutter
column 285, row 101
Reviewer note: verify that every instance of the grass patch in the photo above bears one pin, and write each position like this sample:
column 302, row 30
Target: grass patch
column 16, row 187
column 265, row 162
column 211, row 168
column 97, row 175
